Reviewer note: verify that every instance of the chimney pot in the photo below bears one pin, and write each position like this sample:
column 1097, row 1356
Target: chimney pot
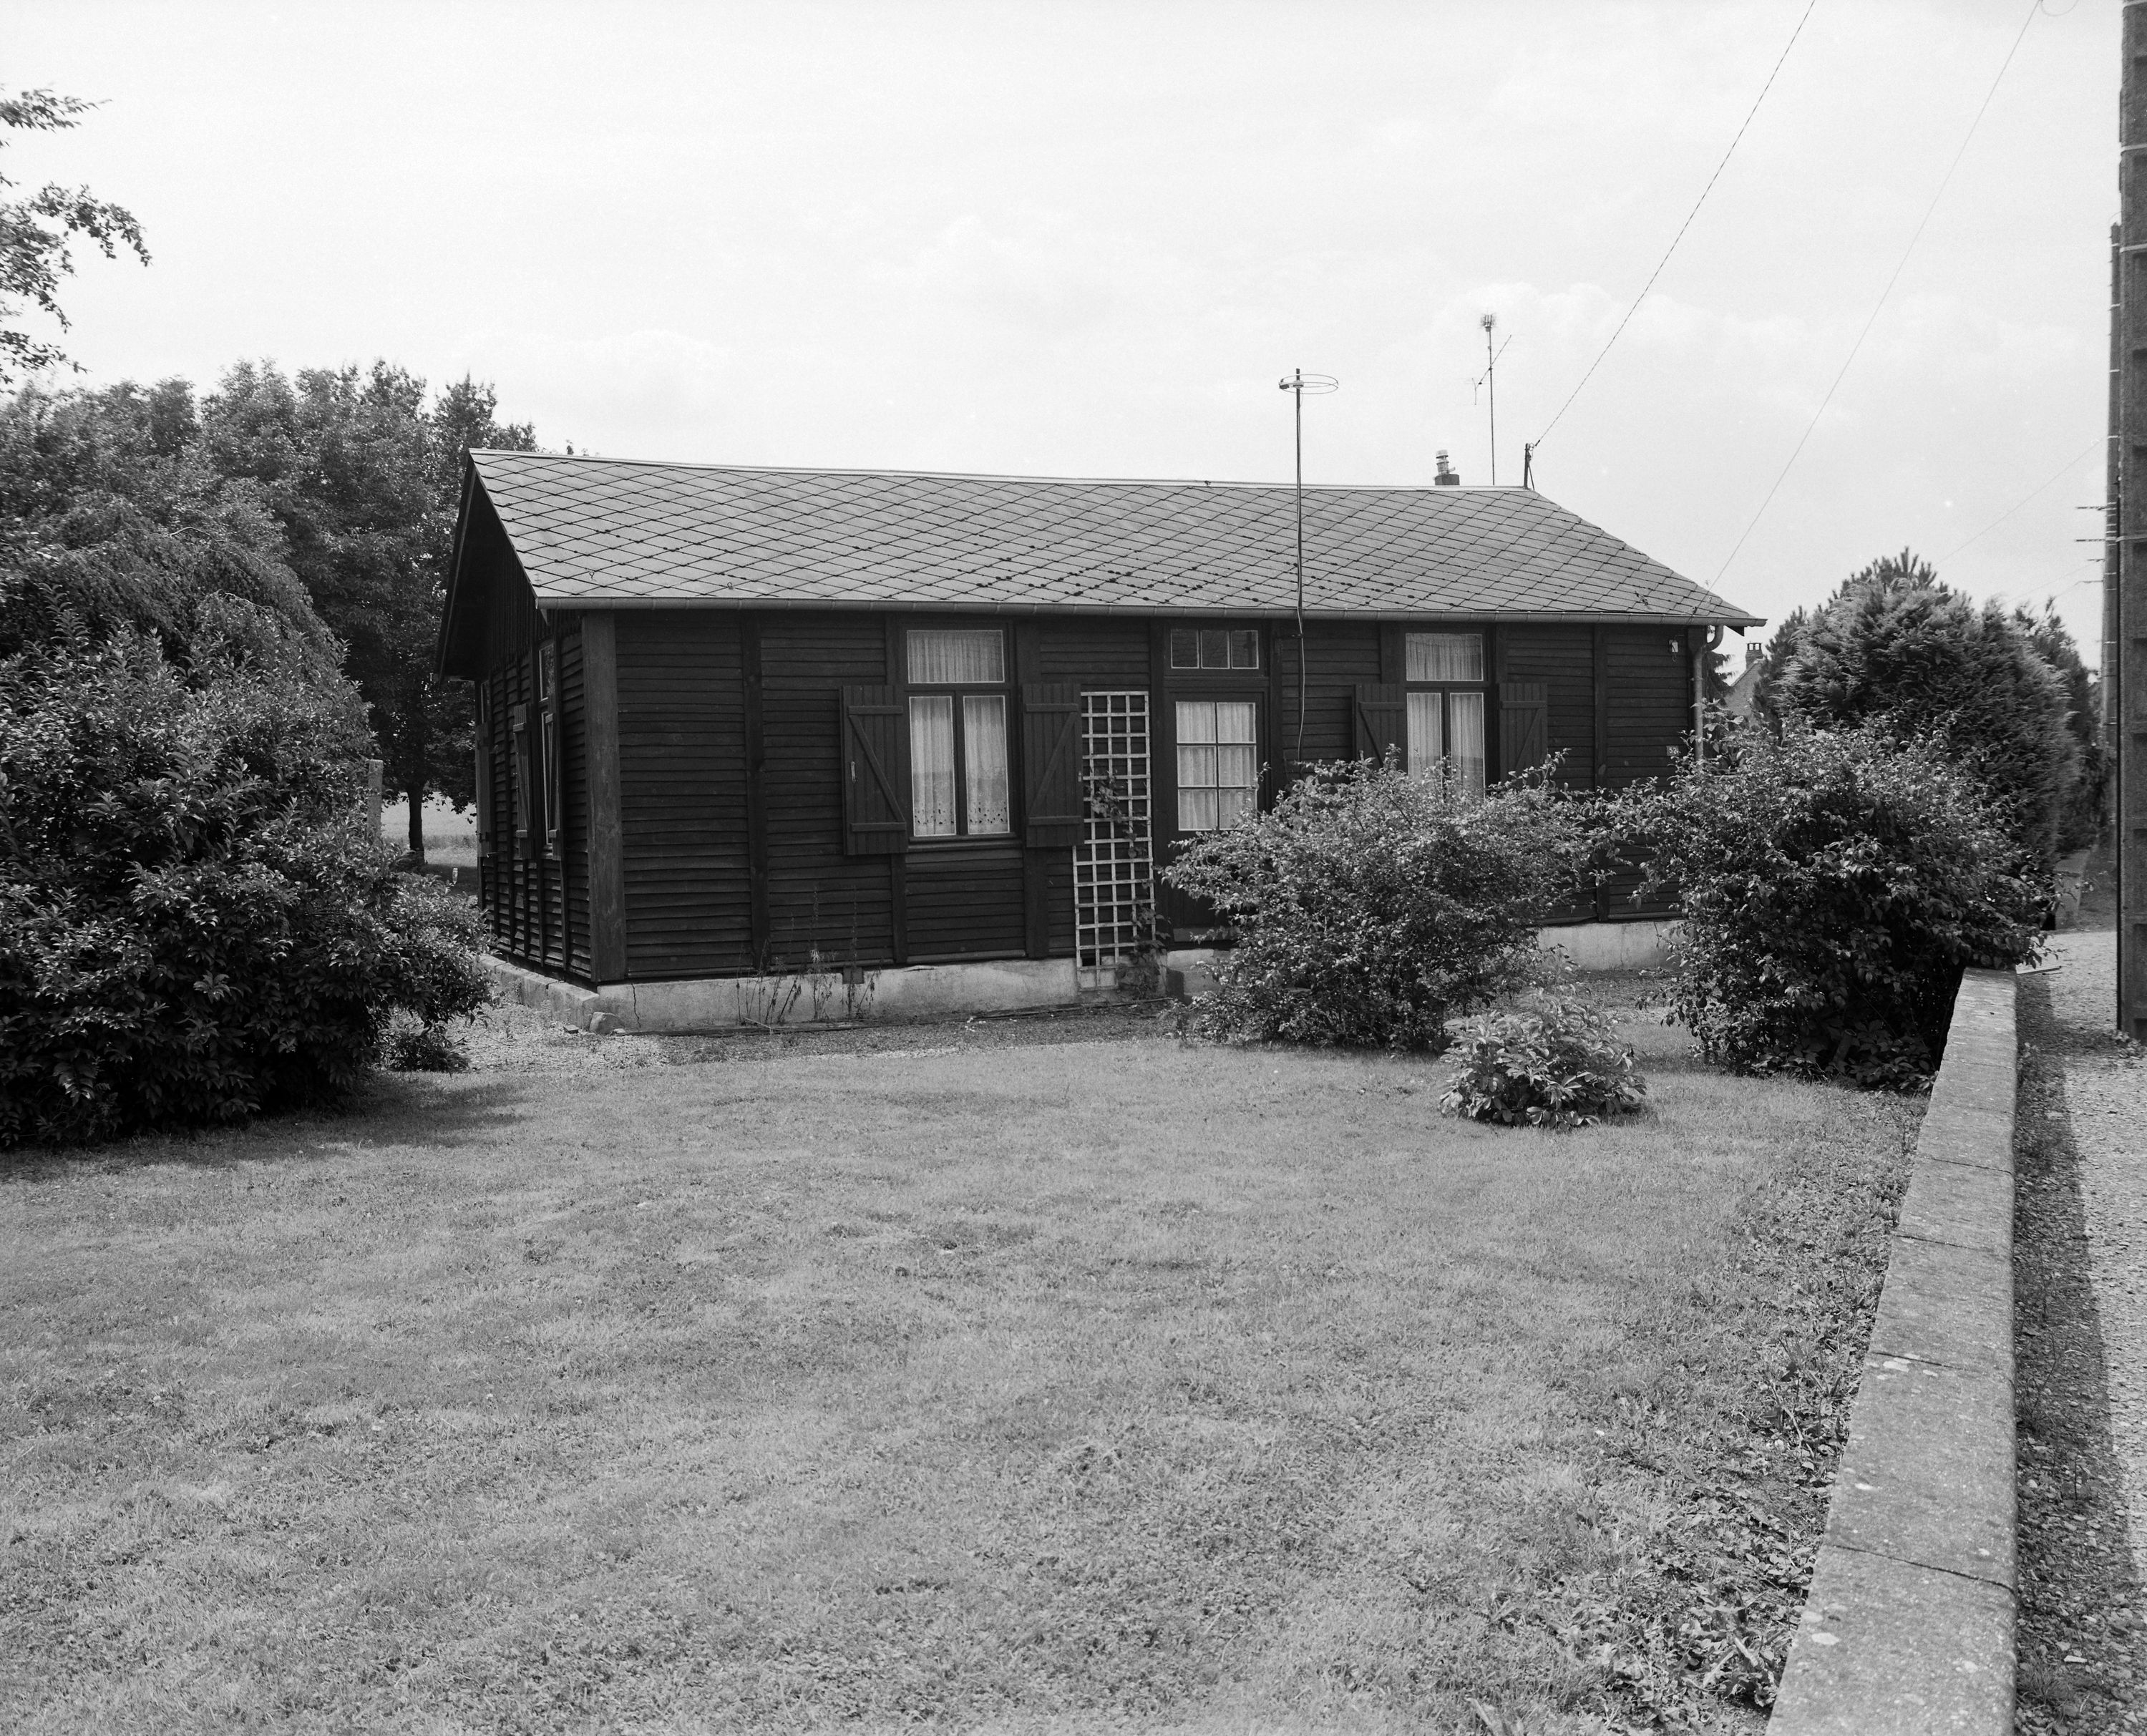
column 1751, row 654
column 1447, row 476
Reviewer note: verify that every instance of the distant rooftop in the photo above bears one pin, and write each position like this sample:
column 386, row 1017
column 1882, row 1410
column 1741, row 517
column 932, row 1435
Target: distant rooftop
column 614, row 532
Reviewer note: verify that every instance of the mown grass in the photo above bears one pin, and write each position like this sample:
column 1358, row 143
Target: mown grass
column 1102, row 1385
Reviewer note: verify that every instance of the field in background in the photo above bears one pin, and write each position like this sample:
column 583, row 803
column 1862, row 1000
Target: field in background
column 449, row 837
column 1039, row 1387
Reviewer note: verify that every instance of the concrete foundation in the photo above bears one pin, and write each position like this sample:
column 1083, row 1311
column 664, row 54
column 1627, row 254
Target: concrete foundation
column 1643, row 945
column 709, row 1003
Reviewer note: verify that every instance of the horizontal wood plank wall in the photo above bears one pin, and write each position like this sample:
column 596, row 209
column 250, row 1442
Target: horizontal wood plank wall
column 1562, row 658
column 682, row 788
column 965, row 901
column 1650, row 713
column 574, row 805
column 1096, row 654
column 1338, row 655
column 818, row 897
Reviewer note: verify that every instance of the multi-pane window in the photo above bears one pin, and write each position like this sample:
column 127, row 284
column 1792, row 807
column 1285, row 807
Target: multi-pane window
column 960, row 785
column 1214, row 648
column 1218, row 773
column 1446, row 701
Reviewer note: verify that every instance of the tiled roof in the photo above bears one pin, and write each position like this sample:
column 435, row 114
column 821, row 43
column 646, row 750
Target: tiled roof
column 608, row 531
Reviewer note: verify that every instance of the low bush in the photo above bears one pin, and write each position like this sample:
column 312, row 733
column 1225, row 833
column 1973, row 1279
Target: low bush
column 196, row 921
column 1551, row 1062
column 1371, row 906
column 1835, row 882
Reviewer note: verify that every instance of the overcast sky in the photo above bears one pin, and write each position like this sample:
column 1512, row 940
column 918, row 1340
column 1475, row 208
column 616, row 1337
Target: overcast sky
column 1073, row 237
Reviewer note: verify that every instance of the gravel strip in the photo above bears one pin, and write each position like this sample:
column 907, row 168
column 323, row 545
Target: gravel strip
column 2080, row 1272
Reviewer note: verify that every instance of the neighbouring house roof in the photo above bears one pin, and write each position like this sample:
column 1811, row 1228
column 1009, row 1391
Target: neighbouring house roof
column 610, row 533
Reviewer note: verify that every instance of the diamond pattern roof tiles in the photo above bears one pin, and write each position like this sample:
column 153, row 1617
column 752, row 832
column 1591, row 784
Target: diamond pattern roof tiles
column 619, row 532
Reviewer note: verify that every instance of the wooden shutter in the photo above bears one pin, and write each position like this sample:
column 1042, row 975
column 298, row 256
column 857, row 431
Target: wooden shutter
column 1051, row 764
column 1523, row 726
column 519, row 724
column 483, row 768
column 875, row 743
column 1382, row 719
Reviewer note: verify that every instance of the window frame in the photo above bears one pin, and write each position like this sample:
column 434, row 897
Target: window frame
column 1204, row 694
column 1003, row 690
column 1482, row 687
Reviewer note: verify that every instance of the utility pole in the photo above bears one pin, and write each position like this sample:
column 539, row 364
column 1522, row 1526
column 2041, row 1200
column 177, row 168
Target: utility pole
column 2112, row 470
column 2126, row 695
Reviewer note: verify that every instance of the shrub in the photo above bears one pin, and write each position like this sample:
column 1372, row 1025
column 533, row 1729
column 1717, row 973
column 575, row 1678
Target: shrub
column 1833, row 883
column 1895, row 645
column 196, row 922
column 1552, row 1061
column 1372, row 906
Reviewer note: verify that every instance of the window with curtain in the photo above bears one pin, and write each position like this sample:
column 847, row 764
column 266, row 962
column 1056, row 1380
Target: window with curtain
column 960, row 781
column 1218, row 773
column 1446, row 707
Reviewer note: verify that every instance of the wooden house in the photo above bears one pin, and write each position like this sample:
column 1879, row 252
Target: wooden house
column 932, row 734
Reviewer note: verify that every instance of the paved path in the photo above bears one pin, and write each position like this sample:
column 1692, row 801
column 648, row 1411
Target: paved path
column 2081, row 1270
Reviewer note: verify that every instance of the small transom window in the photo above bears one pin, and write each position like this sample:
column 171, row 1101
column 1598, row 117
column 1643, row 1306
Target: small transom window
column 975, row 657
column 1214, row 648
column 1446, row 657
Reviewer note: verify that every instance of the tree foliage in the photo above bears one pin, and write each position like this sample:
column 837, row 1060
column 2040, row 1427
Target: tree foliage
column 1372, row 906
column 1896, row 647
column 1833, row 883
column 365, row 478
column 34, row 232
column 195, row 924
column 2083, row 809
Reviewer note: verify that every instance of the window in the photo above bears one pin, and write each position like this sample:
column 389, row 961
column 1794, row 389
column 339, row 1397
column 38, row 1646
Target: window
column 960, row 785
column 1446, row 722
column 1445, row 656
column 1218, row 773
column 548, row 741
column 1214, row 648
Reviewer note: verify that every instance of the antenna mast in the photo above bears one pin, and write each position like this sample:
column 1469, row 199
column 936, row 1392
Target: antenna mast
column 1298, row 383
column 1489, row 382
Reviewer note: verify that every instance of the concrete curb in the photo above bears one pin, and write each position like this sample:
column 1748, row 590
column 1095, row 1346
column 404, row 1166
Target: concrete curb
column 1908, row 1627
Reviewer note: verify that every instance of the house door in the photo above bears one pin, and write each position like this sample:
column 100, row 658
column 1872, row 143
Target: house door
column 1113, row 864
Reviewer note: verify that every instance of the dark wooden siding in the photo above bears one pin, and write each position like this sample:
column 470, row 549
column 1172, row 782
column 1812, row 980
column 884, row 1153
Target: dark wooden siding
column 817, row 898
column 1650, row 713
column 1096, row 654
column 574, row 799
column 525, row 892
column 1563, row 659
column 682, row 784
column 965, row 901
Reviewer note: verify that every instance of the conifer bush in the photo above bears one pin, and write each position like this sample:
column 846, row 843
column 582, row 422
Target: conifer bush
column 1371, row 906
column 1834, row 883
column 197, row 922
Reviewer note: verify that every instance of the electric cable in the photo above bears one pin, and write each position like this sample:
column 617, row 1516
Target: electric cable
column 1930, row 210
column 2069, row 466
column 1682, row 227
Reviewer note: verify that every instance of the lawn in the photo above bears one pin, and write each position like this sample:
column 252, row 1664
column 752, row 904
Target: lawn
column 947, row 1378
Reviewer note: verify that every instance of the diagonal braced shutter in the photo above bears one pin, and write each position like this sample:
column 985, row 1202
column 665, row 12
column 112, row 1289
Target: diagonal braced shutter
column 1382, row 719
column 1523, row 726
column 1051, row 764
column 875, row 771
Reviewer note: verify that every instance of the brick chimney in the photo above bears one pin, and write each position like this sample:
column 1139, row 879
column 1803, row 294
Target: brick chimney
column 1753, row 651
column 1448, row 476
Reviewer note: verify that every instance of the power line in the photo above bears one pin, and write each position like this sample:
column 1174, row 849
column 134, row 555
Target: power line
column 1682, row 227
column 1929, row 211
column 2070, row 465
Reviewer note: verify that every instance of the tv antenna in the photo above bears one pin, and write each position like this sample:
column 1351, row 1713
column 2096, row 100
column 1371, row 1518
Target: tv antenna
column 1296, row 384
column 1488, row 383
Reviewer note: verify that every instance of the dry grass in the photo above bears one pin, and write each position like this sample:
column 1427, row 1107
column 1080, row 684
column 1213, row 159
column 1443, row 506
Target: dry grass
column 1096, row 1385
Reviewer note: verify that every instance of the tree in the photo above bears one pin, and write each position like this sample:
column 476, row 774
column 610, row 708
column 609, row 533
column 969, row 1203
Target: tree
column 366, row 480
column 112, row 518
column 2083, row 810
column 34, row 233
column 1895, row 647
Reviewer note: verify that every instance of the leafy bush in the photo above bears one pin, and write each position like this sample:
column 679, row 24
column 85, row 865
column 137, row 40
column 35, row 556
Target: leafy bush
column 196, row 923
column 1552, row 1061
column 1893, row 644
column 1833, row 883
column 1372, row 906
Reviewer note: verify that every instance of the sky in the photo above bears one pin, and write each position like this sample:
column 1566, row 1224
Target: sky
column 1077, row 238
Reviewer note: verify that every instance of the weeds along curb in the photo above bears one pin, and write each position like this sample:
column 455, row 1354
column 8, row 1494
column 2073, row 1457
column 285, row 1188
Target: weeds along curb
column 1908, row 1627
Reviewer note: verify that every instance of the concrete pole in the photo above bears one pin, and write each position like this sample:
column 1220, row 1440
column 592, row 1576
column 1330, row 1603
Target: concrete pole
column 2129, row 701
column 2112, row 470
